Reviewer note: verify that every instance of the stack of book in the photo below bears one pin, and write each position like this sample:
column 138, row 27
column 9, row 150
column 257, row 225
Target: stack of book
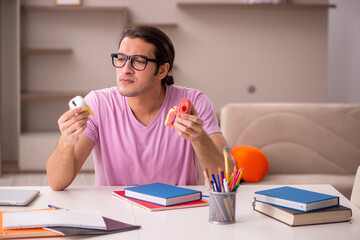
column 160, row 196
column 298, row 207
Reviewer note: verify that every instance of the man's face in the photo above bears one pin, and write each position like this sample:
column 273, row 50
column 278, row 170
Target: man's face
column 131, row 82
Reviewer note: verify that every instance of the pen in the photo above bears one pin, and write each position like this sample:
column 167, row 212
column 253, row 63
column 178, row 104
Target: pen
column 53, row 206
column 216, row 186
column 222, row 179
column 220, row 187
column 229, row 208
column 226, row 188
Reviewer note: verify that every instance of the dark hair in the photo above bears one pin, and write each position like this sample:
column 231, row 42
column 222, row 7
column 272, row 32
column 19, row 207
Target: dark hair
column 164, row 49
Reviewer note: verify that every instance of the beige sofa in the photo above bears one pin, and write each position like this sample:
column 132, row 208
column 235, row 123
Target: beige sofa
column 304, row 143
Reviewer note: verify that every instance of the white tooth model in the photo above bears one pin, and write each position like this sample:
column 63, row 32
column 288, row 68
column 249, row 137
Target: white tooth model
column 79, row 101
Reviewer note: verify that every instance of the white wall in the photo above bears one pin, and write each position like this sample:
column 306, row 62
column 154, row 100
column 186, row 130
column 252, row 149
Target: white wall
column 344, row 52
column 223, row 51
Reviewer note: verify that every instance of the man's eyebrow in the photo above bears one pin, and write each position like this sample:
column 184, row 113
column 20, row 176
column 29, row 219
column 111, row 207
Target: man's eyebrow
column 139, row 55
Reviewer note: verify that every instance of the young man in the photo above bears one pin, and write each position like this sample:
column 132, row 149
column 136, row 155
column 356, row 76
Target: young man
column 130, row 143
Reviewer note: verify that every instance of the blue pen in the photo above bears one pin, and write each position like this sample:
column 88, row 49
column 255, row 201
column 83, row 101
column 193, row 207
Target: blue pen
column 53, row 206
column 56, row 207
column 218, row 177
column 216, row 186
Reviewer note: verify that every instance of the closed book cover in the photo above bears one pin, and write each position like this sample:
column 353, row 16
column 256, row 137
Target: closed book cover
column 112, row 226
column 156, row 207
column 295, row 198
column 298, row 218
column 163, row 194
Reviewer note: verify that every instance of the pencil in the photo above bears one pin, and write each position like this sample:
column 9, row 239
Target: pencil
column 235, row 188
column 241, row 173
column 206, row 175
column 226, row 158
column 232, row 178
column 220, row 208
column 227, row 206
column 220, row 180
column 236, row 178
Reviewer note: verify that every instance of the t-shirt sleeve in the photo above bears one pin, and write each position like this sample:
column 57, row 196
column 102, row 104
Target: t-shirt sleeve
column 205, row 109
column 91, row 130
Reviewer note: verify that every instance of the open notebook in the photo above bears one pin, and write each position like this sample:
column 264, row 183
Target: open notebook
column 112, row 226
column 57, row 218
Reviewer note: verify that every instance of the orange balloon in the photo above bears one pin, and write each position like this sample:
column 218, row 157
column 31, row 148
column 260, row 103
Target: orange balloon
column 252, row 160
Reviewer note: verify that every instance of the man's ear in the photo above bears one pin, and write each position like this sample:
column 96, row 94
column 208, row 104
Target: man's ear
column 163, row 70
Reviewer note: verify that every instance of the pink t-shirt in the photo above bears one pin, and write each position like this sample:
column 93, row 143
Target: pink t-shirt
column 128, row 153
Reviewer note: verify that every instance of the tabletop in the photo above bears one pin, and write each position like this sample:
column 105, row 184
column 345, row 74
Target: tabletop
column 192, row 223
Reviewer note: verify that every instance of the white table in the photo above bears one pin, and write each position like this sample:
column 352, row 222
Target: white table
column 193, row 223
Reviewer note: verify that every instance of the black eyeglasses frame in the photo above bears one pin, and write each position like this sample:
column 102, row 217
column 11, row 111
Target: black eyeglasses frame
column 115, row 55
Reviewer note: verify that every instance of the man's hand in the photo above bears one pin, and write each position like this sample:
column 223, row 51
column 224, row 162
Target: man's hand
column 71, row 124
column 189, row 126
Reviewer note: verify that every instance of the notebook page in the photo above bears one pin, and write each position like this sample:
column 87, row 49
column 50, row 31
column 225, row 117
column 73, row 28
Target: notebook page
column 56, row 218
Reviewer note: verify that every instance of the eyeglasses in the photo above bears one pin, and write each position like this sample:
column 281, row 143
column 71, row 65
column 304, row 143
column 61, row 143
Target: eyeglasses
column 138, row 62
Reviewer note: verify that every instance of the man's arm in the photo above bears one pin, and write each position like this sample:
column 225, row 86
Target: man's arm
column 71, row 151
column 208, row 148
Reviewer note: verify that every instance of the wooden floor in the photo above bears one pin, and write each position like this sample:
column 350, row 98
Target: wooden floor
column 40, row 179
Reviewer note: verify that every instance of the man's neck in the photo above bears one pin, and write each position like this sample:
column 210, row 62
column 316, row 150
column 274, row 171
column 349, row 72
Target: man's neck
column 146, row 107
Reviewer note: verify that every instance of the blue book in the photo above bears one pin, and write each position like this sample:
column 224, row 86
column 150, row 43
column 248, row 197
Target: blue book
column 163, row 194
column 295, row 198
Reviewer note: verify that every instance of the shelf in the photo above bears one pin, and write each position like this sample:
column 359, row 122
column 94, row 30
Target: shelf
column 49, row 95
column 28, row 51
column 255, row 5
column 160, row 25
column 123, row 10
column 83, row 8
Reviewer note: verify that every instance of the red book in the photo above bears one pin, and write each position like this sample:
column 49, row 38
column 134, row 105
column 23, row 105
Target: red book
column 155, row 207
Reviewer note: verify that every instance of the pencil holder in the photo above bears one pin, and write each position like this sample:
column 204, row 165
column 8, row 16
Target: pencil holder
column 222, row 207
